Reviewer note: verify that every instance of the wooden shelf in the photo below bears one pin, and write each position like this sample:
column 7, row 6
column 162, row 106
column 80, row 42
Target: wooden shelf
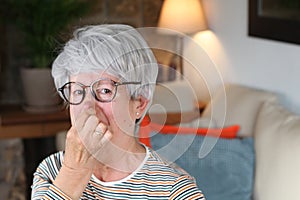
column 15, row 122
column 12, row 115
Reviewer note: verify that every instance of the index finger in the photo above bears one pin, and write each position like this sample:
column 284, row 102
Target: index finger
column 80, row 119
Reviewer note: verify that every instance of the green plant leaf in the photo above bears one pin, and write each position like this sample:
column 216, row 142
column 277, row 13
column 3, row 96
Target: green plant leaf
column 42, row 22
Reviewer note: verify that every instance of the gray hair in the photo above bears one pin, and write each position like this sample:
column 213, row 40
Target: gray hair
column 116, row 49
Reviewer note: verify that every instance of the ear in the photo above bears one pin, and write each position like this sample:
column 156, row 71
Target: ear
column 140, row 105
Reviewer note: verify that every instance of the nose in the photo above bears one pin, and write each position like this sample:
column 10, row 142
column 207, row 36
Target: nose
column 89, row 100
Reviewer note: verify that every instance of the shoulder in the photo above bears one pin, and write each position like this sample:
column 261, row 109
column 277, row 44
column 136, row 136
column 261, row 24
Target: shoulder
column 161, row 163
column 50, row 166
column 182, row 184
column 164, row 169
column 54, row 159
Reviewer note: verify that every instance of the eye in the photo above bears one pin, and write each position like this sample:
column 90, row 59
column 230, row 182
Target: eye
column 104, row 91
column 78, row 92
column 104, row 87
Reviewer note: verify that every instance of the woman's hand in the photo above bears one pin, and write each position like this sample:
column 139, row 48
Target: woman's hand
column 86, row 137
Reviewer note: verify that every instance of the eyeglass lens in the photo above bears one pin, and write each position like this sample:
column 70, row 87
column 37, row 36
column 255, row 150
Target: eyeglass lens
column 103, row 90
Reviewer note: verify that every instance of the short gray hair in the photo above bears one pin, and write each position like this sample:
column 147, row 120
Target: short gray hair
column 116, row 49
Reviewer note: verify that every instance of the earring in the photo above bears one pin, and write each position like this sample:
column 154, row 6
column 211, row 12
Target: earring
column 137, row 114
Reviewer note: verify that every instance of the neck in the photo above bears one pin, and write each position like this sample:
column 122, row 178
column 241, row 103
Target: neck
column 121, row 163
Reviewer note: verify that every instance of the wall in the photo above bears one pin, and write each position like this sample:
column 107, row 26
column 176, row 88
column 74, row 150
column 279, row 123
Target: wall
column 228, row 53
column 137, row 13
column 255, row 62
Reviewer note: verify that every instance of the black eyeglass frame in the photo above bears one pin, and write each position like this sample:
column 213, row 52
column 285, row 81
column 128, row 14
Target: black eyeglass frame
column 116, row 84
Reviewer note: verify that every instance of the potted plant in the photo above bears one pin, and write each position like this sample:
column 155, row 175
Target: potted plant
column 41, row 23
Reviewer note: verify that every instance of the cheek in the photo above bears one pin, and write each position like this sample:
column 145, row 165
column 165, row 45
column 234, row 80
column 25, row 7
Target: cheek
column 123, row 105
column 122, row 114
column 74, row 113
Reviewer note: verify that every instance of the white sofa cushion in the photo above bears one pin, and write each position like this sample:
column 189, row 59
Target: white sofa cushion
column 241, row 106
column 277, row 145
column 173, row 97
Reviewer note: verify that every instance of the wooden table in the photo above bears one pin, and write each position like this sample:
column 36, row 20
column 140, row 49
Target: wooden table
column 16, row 123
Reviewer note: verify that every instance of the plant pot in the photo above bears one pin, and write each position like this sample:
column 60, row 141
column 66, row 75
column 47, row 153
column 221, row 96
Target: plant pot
column 39, row 91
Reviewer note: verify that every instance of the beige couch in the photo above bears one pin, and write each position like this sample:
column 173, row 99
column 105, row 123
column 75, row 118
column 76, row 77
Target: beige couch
column 276, row 133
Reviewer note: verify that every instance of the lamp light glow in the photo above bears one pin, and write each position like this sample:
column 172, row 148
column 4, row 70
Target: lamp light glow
column 184, row 16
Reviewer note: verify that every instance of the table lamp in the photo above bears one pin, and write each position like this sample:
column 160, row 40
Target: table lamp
column 182, row 16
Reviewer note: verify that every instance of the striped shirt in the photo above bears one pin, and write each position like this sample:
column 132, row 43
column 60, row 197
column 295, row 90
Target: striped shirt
column 154, row 179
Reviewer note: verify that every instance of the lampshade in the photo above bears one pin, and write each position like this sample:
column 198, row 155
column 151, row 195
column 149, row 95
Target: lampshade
column 185, row 16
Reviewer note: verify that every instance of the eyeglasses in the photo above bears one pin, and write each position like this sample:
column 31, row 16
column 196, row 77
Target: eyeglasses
column 103, row 90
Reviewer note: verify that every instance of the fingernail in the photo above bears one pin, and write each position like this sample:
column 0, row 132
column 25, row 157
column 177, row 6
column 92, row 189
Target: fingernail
column 101, row 127
column 106, row 137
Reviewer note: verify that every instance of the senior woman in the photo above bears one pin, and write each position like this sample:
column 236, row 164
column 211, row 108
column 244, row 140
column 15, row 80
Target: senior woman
column 107, row 74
